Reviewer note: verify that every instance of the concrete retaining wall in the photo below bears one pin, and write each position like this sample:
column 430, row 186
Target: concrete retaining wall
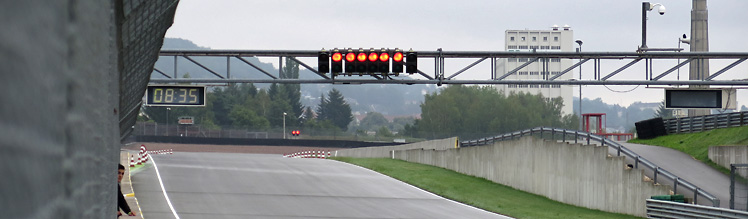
column 726, row 155
column 386, row 151
column 576, row 174
column 59, row 133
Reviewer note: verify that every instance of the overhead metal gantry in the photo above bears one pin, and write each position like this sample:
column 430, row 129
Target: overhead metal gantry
column 440, row 77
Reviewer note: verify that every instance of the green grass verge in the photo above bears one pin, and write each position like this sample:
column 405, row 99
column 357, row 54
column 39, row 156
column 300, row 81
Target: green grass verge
column 476, row 191
column 697, row 144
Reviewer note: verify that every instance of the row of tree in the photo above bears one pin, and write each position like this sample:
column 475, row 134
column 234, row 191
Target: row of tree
column 474, row 111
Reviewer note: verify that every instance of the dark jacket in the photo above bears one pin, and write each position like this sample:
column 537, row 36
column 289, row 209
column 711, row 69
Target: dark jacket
column 121, row 202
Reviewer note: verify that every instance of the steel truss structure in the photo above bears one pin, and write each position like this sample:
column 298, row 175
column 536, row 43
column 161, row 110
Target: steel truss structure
column 440, row 77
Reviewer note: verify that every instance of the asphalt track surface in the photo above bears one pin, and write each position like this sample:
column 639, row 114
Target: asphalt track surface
column 239, row 185
column 688, row 168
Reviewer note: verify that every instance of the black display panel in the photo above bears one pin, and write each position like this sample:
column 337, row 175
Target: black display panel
column 695, row 99
column 175, row 95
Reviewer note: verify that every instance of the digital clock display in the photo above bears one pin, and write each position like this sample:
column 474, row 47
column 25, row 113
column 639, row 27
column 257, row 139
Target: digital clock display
column 175, row 95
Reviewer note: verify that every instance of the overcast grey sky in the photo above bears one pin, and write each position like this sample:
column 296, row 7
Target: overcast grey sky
column 603, row 25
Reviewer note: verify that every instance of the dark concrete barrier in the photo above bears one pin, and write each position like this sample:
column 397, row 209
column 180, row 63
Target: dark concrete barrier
column 264, row 142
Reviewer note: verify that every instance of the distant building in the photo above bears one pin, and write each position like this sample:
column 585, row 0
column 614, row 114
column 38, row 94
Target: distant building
column 555, row 39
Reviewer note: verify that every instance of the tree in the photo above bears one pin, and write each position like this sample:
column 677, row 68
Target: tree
column 475, row 111
column 293, row 91
column 244, row 117
column 373, row 121
column 335, row 109
column 663, row 112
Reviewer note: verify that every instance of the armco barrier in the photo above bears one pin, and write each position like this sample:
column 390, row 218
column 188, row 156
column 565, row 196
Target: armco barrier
column 574, row 135
column 264, row 142
column 705, row 123
column 386, row 151
column 667, row 209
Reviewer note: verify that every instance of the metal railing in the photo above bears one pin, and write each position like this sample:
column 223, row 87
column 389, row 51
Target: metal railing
column 706, row 122
column 668, row 209
column 576, row 135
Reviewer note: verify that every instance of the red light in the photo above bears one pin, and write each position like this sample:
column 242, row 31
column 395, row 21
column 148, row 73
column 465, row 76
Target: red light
column 398, row 57
column 337, row 57
column 384, row 57
column 373, row 57
column 361, row 57
column 350, row 57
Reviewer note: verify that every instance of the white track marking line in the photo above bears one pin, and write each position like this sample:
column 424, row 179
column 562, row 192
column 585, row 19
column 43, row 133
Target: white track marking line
column 161, row 182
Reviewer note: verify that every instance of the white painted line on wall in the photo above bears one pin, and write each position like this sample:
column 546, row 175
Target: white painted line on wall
column 161, row 182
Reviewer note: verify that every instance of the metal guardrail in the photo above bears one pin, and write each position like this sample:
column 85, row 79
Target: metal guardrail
column 706, row 122
column 667, row 209
column 588, row 137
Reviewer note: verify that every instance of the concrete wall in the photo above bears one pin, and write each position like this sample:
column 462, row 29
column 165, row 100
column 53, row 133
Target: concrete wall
column 726, row 155
column 386, row 151
column 576, row 174
column 59, row 90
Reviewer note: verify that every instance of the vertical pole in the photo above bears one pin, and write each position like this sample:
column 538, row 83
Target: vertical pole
column 732, row 186
column 645, row 8
column 655, row 174
column 695, row 195
column 576, row 137
column 228, row 67
column 175, row 67
column 588, row 138
column 675, row 185
column 580, row 91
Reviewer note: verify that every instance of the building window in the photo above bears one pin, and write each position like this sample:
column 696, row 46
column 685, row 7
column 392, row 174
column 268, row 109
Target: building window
column 555, row 60
column 556, row 47
column 545, row 39
column 511, row 39
column 512, row 59
column 556, row 86
column 523, row 39
column 534, row 73
column 533, row 86
column 512, row 86
column 545, row 86
column 534, row 39
column 522, row 59
column 555, row 39
column 545, row 47
column 522, row 47
column 512, row 47
column 534, row 47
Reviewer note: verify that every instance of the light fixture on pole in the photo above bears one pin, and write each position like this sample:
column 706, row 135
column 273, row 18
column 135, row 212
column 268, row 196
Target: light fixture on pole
column 284, row 125
column 646, row 6
column 682, row 40
column 579, row 41
column 167, row 120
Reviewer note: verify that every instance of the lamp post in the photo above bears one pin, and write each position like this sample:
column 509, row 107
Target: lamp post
column 578, row 41
column 646, row 6
column 284, row 125
column 167, row 120
column 682, row 40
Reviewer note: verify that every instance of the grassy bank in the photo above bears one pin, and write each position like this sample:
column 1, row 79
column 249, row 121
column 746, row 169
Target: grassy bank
column 697, row 144
column 477, row 192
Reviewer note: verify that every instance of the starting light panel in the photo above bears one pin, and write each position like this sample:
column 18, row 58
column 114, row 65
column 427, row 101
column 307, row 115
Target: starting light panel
column 337, row 62
column 371, row 61
column 323, row 62
column 411, row 62
column 175, row 95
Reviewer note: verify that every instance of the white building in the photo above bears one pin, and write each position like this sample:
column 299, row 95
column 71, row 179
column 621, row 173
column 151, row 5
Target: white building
column 555, row 39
